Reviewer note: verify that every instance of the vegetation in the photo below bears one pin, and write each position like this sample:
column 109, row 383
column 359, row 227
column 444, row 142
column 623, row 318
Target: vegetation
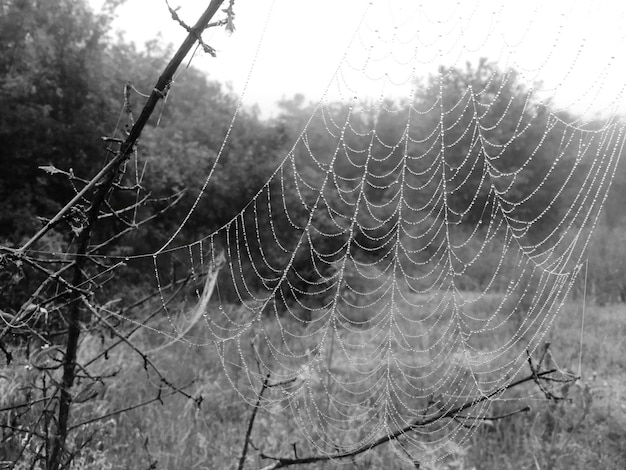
column 70, row 99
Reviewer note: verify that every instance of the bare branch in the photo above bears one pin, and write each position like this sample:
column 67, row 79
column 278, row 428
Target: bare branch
column 282, row 462
column 158, row 398
column 246, row 442
column 144, row 357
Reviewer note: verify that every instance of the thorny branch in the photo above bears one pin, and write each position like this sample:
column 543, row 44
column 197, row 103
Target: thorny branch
column 228, row 22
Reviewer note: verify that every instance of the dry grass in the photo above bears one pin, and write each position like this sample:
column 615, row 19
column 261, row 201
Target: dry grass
column 588, row 430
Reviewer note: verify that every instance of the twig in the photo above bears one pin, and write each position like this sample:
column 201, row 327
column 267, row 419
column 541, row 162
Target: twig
column 146, row 359
column 23, row 405
column 535, row 369
column 128, row 335
column 158, row 398
column 208, row 49
column 55, row 276
column 525, row 409
column 70, row 264
column 412, row 459
column 246, row 442
column 282, row 462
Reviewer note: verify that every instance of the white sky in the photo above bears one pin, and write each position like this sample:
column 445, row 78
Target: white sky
column 576, row 48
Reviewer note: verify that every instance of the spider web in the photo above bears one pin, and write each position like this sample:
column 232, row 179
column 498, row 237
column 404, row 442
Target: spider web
column 407, row 261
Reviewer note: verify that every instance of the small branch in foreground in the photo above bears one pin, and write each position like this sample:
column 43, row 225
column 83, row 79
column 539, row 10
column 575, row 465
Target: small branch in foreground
column 282, row 462
column 180, row 283
column 525, row 409
column 159, row 398
column 535, row 369
column 246, row 442
column 146, row 360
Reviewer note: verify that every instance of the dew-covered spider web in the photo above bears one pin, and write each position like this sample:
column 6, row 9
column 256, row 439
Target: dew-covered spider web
column 416, row 243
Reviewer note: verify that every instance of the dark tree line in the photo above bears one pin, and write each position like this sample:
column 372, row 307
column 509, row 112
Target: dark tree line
column 65, row 82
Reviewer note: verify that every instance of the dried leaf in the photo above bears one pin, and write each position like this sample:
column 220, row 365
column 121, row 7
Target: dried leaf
column 50, row 169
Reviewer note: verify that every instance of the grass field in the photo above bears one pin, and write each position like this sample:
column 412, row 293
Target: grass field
column 585, row 430
column 588, row 430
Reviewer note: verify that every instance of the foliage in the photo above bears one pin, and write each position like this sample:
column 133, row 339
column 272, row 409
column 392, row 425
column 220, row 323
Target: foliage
column 606, row 269
column 55, row 105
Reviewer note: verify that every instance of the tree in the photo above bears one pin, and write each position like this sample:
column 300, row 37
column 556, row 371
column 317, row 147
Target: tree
column 55, row 105
column 499, row 144
column 70, row 288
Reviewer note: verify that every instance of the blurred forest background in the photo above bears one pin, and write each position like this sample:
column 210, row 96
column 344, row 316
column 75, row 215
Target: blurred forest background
column 62, row 82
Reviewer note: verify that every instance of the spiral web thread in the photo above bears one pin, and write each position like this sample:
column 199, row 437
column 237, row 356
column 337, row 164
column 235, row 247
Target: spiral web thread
column 394, row 295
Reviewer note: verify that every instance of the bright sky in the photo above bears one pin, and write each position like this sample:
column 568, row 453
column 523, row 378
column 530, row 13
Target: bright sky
column 337, row 49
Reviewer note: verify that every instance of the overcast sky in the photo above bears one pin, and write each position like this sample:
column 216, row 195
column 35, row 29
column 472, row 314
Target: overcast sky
column 336, row 49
